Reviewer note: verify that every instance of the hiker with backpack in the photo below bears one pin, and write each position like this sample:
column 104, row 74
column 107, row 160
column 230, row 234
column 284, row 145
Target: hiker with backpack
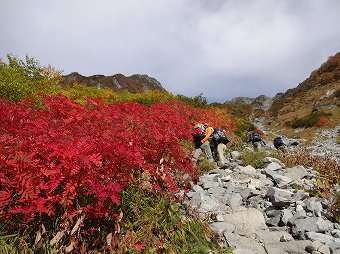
column 255, row 138
column 201, row 135
column 279, row 143
column 220, row 141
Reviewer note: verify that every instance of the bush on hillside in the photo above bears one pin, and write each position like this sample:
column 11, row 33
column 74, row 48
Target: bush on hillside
column 322, row 122
column 147, row 98
column 69, row 156
column 80, row 93
column 198, row 101
column 160, row 225
column 243, row 127
column 20, row 79
column 255, row 159
column 310, row 120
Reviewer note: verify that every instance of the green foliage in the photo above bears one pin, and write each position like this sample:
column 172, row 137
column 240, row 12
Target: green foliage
column 307, row 121
column 254, row 159
column 146, row 98
column 160, row 225
column 20, row 79
column 204, row 166
column 198, row 101
column 338, row 139
column 80, row 92
column 243, row 126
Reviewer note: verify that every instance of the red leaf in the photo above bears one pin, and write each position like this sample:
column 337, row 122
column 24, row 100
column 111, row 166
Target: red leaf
column 139, row 246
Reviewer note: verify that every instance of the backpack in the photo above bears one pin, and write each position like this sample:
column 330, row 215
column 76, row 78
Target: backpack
column 219, row 137
column 255, row 137
column 200, row 130
column 278, row 141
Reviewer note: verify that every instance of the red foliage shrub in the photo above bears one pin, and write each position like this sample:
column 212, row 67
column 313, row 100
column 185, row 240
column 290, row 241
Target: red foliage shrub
column 323, row 121
column 66, row 157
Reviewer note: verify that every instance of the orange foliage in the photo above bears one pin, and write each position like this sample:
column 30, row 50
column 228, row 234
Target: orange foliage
column 214, row 117
column 323, row 121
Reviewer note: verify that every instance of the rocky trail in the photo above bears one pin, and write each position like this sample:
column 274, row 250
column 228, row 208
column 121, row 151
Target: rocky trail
column 266, row 210
column 324, row 144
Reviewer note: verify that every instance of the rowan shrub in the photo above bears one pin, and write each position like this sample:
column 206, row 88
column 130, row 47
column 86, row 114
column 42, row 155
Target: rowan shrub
column 65, row 156
column 68, row 156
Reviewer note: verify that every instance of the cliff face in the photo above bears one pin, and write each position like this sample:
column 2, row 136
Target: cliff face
column 135, row 84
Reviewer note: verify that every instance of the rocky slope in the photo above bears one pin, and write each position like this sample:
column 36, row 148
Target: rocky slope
column 266, row 210
column 118, row 82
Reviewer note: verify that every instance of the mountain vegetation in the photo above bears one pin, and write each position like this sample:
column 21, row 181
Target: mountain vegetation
column 89, row 169
column 98, row 164
column 313, row 103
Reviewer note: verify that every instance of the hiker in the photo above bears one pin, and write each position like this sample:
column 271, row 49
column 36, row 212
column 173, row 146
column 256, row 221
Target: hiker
column 255, row 138
column 279, row 143
column 201, row 135
column 220, row 141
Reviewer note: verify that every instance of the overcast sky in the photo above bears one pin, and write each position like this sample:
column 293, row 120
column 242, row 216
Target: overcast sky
column 221, row 48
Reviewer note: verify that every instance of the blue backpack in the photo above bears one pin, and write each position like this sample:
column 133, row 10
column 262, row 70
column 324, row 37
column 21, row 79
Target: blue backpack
column 278, row 141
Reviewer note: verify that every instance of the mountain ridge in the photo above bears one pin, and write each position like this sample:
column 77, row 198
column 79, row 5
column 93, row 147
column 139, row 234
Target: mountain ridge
column 118, row 82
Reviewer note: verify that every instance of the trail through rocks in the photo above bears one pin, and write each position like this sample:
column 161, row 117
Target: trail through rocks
column 266, row 210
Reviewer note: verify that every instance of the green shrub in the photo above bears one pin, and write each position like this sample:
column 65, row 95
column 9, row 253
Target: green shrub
column 254, row 159
column 243, row 126
column 20, row 79
column 204, row 166
column 198, row 101
column 307, row 121
column 80, row 92
column 160, row 226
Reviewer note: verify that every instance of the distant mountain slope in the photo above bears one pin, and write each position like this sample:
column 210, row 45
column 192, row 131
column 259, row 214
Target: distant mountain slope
column 260, row 102
column 318, row 92
column 135, row 84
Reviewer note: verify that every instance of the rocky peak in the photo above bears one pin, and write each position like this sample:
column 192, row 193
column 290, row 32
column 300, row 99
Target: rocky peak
column 242, row 100
column 135, row 84
column 261, row 102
